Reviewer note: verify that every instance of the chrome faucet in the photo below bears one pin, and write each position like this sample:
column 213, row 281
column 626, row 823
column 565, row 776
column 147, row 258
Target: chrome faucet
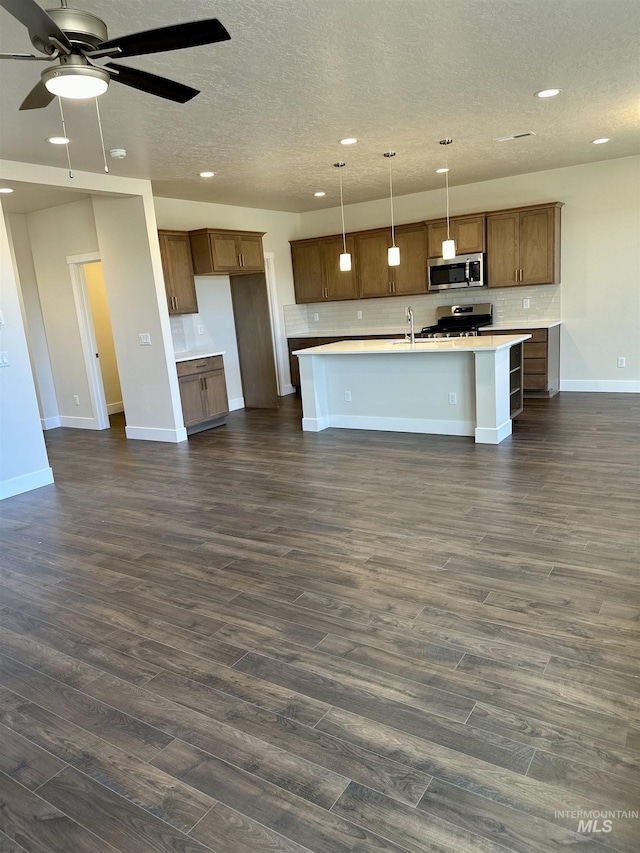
column 410, row 322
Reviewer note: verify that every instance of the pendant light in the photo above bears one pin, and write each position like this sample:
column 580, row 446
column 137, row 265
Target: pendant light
column 448, row 245
column 393, row 252
column 345, row 257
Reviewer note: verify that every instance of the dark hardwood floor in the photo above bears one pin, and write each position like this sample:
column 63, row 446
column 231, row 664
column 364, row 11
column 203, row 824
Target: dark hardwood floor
column 269, row 641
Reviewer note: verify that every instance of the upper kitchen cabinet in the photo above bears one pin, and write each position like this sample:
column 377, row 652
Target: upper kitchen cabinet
column 175, row 252
column 317, row 275
column 523, row 246
column 376, row 277
column 220, row 252
column 467, row 231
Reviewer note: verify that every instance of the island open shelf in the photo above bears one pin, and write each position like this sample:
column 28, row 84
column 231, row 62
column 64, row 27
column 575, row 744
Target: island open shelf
column 468, row 386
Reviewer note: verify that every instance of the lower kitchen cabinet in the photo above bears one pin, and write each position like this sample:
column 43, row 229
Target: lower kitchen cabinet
column 541, row 360
column 203, row 391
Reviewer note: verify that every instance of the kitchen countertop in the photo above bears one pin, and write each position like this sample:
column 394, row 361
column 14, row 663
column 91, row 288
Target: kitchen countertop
column 527, row 324
column 192, row 354
column 472, row 344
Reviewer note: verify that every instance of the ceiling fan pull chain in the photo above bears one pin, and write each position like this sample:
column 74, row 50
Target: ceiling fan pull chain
column 64, row 133
column 104, row 153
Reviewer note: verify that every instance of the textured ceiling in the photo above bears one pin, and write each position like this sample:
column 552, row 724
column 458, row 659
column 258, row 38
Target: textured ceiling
column 298, row 75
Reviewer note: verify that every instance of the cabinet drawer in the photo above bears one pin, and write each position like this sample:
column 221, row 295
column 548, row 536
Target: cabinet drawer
column 535, row 365
column 199, row 365
column 535, row 381
column 537, row 335
column 535, row 350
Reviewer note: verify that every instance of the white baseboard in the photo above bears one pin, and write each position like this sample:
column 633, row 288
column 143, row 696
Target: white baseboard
column 488, row 435
column 25, row 483
column 50, row 423
column 173, row 436
column 418, row 425
column 78, row 423
column 236, row 403
column 114, row 408
column 610, row 386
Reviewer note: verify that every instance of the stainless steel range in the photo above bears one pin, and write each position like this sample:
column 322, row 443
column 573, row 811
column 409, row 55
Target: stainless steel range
column 455, row 321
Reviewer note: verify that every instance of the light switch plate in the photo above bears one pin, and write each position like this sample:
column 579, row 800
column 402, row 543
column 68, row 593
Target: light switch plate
column 145, row 339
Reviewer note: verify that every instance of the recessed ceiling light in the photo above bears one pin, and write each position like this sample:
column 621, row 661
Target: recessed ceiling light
column 600, row 141
column 319, row 195
column 441, row 171
column 6, row 190
column 58, row 140
column 548, row 93
column 350, row 140
column 207, row 174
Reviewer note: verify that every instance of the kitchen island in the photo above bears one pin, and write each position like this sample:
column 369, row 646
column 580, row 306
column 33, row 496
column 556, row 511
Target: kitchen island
column 466, row 386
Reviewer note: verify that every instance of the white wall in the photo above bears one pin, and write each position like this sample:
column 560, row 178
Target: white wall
column 56, row 233
column 33, row 320
column 279, row 228
column 23, row 457
column 600, row 291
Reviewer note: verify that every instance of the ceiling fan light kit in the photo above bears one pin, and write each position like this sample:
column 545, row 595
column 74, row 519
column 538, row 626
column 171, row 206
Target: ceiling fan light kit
column 76, row 81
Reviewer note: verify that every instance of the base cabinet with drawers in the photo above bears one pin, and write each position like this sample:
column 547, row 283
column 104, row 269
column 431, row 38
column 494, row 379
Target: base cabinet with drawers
column 541, row 360
column 203, row 391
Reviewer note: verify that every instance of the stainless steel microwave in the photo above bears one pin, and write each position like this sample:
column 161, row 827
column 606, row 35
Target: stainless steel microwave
column 461, row 271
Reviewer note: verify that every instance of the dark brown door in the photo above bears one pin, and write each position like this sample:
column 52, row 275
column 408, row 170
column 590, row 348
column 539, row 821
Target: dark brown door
column 255, row 345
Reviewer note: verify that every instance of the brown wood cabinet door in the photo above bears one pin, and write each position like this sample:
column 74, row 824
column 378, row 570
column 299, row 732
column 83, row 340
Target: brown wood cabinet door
column 502, row 249
column 224, row 252
column 469, row 235
column 375, row 277
column 411, row 275
column 175, row 252
column 437, row 233
column 191, row 399
column 249, row 251
column 255, row 344
column 308, row 271
column 214, row 395
column 536, row 246
column 339, row 285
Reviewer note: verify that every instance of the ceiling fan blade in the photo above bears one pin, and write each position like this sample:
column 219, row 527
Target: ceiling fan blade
column 151, row 83
column 174, row 37
column 35, row 20
column 37, row 98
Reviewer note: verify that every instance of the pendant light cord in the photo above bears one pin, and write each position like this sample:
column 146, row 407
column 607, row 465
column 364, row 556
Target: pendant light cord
column 64, row 133
column 344, row 237
column 393, row 230
column 104, row 153
column 446, row 182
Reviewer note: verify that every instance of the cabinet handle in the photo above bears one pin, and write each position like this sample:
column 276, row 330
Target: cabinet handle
column 241, row 259
column 175, row 299
column 204, row 379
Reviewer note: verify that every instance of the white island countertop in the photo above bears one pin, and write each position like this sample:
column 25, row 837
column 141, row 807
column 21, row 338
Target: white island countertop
column 188, row 355
column 526, row 324
column 397, row 345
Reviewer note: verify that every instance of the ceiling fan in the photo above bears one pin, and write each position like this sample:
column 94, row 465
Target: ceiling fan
column 74, row 39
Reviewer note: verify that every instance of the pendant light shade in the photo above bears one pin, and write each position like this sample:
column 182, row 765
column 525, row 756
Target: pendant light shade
column 345, row 257
column 448, row 245
column 393, row 252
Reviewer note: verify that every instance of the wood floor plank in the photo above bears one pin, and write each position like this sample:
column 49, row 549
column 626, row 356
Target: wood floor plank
column 28, row 818
column 85, row 711
column 501, row 751
column 415, row 830
column 123, row 825
column 230, row 744
column 603, row 679
column 396, row 780
column 304, row 823
column 497, row 823
column 232, row 832
column 25, row 762
column 132, row 778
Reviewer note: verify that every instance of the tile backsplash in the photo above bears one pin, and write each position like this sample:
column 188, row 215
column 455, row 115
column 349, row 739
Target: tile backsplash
column 382, row 316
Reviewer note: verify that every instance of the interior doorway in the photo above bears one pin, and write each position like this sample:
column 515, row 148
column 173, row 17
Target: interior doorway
column 96, row 335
